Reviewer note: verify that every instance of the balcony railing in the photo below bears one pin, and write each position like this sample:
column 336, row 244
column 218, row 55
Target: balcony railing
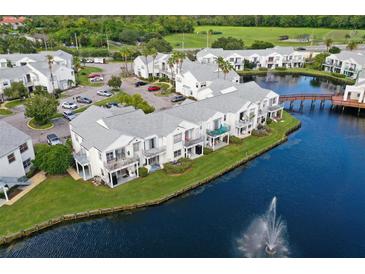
column 81, row 158
column 243, row 123
column 219, row 131
column 119, row 163
column 193, row 141
column 154, row 151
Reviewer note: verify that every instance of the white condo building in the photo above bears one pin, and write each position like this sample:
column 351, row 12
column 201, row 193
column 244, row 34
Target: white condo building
column 33, row 70
column 113, row 143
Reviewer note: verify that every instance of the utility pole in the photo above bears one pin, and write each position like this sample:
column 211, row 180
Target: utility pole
column 107, row 42
column 207, row 39
column 45, row 44
column 183, row 41
column 76, row 43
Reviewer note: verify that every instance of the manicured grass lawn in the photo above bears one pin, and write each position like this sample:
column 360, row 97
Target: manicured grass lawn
column 62, row 195
column 4, row 111
column 250, row 34
column 165, row 89
column 302, row 71
column 14, row 103
column 32, row 123
column 84, row 72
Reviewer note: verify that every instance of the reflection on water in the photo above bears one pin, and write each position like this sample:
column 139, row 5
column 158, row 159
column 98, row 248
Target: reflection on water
column 317, row 177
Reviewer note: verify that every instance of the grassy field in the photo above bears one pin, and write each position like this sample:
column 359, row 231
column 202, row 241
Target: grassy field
column 4, row 111
column 14, row 103
column 84, row 72
column 62, row 195
column 250, row 34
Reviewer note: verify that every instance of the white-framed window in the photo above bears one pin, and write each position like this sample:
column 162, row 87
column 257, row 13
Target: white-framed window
column 177, row 138
column 177, row 153
column 27, row 163
column 109, row 156
column 23, row 147
column 11, row 158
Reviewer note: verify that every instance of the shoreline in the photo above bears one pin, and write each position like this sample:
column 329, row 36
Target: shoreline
column 299, row 71
column 8, row 239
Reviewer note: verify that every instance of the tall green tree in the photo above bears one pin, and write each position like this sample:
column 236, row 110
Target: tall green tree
column 41, row 108
column 153, row 53
column 352, row 45
column 50, row 64
column 328, row 42
column 220, row 64
column 16, row 90
column 115, row 82
column 145, row 51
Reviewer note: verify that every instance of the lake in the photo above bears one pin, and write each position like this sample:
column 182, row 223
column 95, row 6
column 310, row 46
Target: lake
column 317, row 177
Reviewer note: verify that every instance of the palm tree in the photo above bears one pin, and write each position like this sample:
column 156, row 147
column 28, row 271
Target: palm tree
column 50, row 63
column 145, row 51
column 351, row 45
column 328, row 42
column 171, row 64
column 226, row 68
column 126, row 53
column 153, row 53
column 220, row 62
column 179, row 57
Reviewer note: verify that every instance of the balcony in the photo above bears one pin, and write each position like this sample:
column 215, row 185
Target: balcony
column 81, row 158
column 243, row 123
column 119, row 163
column 154, row 151
column 219, row 131
column 193, row 141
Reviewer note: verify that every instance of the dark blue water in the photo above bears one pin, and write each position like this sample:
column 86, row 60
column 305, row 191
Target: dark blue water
column 317, row 176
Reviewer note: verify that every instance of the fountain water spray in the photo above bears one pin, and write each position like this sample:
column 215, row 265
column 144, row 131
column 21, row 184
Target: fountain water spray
column 266, row 236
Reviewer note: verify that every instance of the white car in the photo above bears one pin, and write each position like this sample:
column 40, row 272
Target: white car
column 69, row 105
column 104, row 93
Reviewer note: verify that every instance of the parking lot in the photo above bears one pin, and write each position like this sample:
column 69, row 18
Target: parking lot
column 61, row 127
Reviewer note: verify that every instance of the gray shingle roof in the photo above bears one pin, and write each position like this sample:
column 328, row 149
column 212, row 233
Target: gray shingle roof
column 135, row 123
column 246, row 52
column 36, row 56
column 14, row 73
column 10, row 138
column 206, row 72
column 357, row 56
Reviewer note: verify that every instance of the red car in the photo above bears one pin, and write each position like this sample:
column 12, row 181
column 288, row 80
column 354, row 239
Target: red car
column 154, row 88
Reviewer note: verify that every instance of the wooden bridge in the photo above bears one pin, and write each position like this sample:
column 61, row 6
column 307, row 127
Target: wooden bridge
column 313, row 97
column 335, row 100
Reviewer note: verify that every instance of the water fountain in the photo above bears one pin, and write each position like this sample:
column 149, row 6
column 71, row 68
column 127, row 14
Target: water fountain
column 266, row 236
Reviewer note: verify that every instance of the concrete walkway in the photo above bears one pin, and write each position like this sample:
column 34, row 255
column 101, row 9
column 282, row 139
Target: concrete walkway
column 34, row 181
column 73, row 173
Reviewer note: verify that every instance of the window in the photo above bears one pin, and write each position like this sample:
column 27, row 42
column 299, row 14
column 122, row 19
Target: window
column 11, row 158
column 109, row 156
column 225, row 117
column 135, row 147
column 102, row 172
column 27, row 163
column 100, row 158
column 177, row 153
column 177, row 138
column 23, row 148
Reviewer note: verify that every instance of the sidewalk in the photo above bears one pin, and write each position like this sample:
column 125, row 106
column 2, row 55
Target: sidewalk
column 35, row 180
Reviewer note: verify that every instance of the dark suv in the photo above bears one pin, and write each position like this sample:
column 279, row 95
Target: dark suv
column 140, row 83
column 83, row 100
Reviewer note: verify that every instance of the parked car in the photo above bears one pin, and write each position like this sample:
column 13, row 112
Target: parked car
column 96, row 79
column 83, row 100
column 104, row 93
column 140, row 83
column 52, row 140
column 69, row 115
column 154, row 88
column 69, row 105
column 178, row 98
column 111, row 104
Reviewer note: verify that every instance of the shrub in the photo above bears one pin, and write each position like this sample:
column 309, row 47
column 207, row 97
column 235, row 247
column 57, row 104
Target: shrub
column 178, row 167
column 334, row 50
column 338, row 75
column 262, row 69
column 235, row 140
column 142, row 171
column 261, row 45
column 262, row 130
column 53, row 159
column 281, row 68
column 207, row 151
